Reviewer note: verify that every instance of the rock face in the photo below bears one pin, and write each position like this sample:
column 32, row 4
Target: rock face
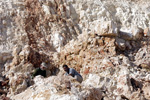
column 70, row 17
column 106, row 41
column 54, row 88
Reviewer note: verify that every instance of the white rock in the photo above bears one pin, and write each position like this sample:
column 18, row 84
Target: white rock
column 58, row 41
column 25, row 51
column 38, row 80
column 107, row 28
column 123, row 82
column 92, row 80
column 46, row 9
column 147, row 78
column 63, row 97
column 16, row 50
column 126, row 61
column 52, row 88
column 82, row 14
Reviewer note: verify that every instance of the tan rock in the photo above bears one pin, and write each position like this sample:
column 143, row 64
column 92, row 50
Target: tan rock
column 145, row 65
column 123, row 82
column 101, row 42
column 146, row 91
column 107, row 28
column 69, row 58
column 146, row 32
column 86, row 70
column 109, row 41
column 137, row 96
column 137, row 33
column 16, row 50
column 112, row 50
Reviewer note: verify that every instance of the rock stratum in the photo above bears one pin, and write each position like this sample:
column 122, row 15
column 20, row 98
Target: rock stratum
column 107, row 41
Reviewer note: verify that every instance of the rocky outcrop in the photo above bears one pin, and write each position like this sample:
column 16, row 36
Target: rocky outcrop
column 107, row 42
column 19, row 71
column 54, row 87
column 25, row 21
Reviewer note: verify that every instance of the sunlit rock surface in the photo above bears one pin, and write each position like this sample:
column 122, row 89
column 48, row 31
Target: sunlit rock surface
column 106, row 41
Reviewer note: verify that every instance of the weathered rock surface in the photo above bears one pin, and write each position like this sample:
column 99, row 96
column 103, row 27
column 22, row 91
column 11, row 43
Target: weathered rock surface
column 54, row 88
column 106, row 41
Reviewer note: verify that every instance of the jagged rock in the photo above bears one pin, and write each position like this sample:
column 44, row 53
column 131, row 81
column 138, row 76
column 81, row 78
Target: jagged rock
column 137, row 33
column 78, row 30
column 16, row 50
column 58, row 41
column 25, row 52
column 54, row 88
column 126, row 61
column 17, row 83
column 123, row 82
column 107, row 29
column 46, row 9
column 107, row 63
column 142, row 55
column 137, row 96
column 93, row 80
column 146, row 91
